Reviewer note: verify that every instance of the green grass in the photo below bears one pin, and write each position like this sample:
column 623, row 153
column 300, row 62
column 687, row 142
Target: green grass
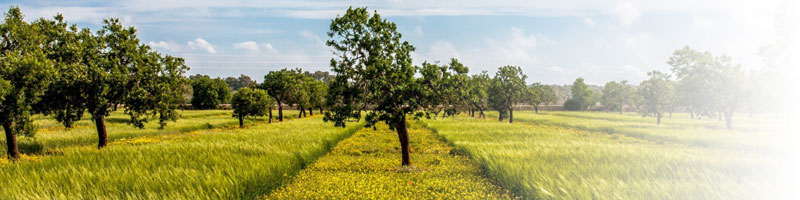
column 367, row 166
column 206, row 164
column 550, row 157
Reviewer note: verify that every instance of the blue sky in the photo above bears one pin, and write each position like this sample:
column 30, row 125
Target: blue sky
column 553, row 41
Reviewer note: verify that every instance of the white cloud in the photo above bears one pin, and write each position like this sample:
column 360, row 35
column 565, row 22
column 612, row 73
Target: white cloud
column 311, row 36
column 201, row 44
column 419, row 31
column 627, row 13
column 268, row 47
column 588, row 21
column 169, row 46
column 248, row 45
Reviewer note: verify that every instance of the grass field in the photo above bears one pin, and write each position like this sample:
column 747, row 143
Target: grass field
column 565, row 155
column 219, row 163
column 366, row 166
column 552, row 155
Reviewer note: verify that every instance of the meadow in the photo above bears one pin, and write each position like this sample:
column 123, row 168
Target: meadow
column 551, row 155
column 174, row 163
column 582, row 155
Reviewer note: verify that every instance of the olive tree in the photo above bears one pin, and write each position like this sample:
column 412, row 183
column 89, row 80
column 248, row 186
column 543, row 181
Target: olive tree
column 582, row 96
column 508, row 90
column 443, row 88
column 478, row 93
column 373, row 74
column 208, row 93
column 616, row 95
column 250, row 102
column 280, row 85
column 25, row 73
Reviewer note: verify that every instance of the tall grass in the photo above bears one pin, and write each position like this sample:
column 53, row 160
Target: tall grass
column 540, row 161
column 210, row 164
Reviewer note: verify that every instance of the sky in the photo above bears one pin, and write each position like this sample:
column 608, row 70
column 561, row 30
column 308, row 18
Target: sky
column 554, row 42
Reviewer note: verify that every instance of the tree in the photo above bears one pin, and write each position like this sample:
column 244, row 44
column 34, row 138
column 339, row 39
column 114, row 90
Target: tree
column 373, row 74
column 538, row 94
column 317, row 90
column 208, row 93
column 582, row 96
column 242, row 81
column 442, row 88
column 695, row 74
column 325, row 77
column 280, row 85
column 24, row 75
column 616, row 95
column 478, row 95
column 250, row 102
column 657, row 94
column 508, row 89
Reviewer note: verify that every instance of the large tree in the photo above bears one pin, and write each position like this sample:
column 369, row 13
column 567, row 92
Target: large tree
column 509, row 89
column 616, row 95
column 657, row 94
column 25, row 72
column 538, row 94
column 694, row 71
column 281, row 86
column 374, row 73
column 250, row 102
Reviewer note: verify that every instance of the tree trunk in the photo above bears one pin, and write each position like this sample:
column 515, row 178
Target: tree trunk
column 270, row 115
column 658, row 118
column 102, row 135
column 241, row 121
column 728, row 120
column 11, row 141
column 481, row 115
column 500, row 118
column 402, row 134
column 510, row 115
column 620, row 109
column 311, row 111
column 536, row 109
column 280, row 112
column 320, row 110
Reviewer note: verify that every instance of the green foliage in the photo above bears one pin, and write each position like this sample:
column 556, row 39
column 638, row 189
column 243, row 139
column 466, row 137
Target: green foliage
column 25, row 72
column 616, row 95
column 658, row 94
column 443, row 88
column 478, row 93
column 582, row 96
column 373, row 70
column 250, row 102
column 239, row 82
column 538, row 94
column 208, row 93
column 281, row 85
column 508, row 89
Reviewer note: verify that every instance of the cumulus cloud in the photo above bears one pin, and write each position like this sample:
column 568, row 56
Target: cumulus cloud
column 627, row 13
column 169, row 46
column 249, row 45
column 201, row 44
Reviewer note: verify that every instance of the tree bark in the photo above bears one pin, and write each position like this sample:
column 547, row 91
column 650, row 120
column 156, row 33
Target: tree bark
column 102, row 135
column 241, row 121
column 280, row 112
column 481, row 115
column 728, row 120
column 270, row 115
column 536, row 109
column 311, row 111
column 402, row 134
column 510, row 115
column 320, row 110
column 500, row 118
column 658, row 118
column 11, row 141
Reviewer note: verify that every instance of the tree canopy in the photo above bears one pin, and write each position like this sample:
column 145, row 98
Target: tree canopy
column 250, row 102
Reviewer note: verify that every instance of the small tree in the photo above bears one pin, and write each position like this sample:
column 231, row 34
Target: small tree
column 443, row 88
column 508, row 90
column 538, row 94
column 616, row 95
column 208, row 93
column 657, row 94
column 373, row 74
column 582, row 96
column 279, row 85
column 239, row 82
column 250, row 102
column 317, row 90
column 478, row 95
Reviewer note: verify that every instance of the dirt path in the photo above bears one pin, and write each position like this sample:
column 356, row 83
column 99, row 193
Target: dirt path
column 367, row 166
